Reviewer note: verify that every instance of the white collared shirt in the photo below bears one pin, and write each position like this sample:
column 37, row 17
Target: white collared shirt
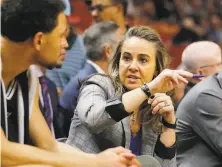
column 98, row 69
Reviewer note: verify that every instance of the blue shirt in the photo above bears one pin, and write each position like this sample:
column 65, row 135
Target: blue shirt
column 135, row 143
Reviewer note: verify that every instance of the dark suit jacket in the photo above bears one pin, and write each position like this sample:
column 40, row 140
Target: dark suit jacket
column 57, row 115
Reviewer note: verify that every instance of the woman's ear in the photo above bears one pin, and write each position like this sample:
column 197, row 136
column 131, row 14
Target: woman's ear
column 38, row 40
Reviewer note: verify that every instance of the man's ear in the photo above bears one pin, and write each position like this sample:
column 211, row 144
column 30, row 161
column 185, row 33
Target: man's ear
column 38, row 40
column 200, row 71
column 107, row 51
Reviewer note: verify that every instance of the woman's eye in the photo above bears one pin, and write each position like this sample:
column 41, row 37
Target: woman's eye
column 126, row 58
column 143, row 60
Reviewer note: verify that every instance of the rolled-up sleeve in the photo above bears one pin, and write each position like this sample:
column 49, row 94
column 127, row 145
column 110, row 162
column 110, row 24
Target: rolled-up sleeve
column 165, row 152
column 96, row 111
column 116, row 109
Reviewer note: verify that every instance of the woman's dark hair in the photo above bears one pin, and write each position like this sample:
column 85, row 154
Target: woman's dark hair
column 22, row 19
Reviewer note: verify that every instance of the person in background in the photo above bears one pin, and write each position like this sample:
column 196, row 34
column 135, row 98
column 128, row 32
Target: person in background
column 109, row 10
column 74, row 60
column 204, row 58
column 187, row 33
column 215, row 29
column 100, row 41
column 125, row 107
column 34, row 32
column 199, row 125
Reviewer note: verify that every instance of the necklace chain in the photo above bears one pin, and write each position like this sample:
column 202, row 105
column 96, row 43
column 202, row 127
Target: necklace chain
column 133, row 118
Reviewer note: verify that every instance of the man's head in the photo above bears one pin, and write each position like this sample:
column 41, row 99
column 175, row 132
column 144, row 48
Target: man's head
column 202, row 57
column 100, row 40
column 108, row 10
column 39, row 24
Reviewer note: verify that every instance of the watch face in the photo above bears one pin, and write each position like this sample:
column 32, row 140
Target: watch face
column 146, row 90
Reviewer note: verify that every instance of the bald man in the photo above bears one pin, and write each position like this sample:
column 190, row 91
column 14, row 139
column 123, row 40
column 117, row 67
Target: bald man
column 199, row 125
column 203, row 57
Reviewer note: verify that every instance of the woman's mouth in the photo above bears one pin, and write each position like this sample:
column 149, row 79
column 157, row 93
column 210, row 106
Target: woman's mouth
column 132, row 78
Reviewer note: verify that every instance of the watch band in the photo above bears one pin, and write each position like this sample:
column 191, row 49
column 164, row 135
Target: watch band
column 146, row 89
column 168, row 125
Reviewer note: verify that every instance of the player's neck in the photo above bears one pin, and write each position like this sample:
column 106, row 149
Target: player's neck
column 16, row 58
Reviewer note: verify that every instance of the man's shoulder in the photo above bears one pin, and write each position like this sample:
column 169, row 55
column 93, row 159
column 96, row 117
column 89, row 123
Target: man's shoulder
column 203, row 91
column 101, row 80
column 82, row 75
column 87, row 70
column 210, row 85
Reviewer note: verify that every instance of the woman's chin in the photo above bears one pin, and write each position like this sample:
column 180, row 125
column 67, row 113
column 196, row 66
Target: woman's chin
column 132, row 86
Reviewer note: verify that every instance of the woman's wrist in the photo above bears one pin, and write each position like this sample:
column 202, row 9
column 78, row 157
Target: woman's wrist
column 170, row 118
column 151, row 87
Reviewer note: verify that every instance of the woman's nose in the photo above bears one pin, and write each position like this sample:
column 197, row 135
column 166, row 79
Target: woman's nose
column 133, row 66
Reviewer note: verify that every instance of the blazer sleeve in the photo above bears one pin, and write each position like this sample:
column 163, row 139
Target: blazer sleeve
column 93, row 103
column 208, row 120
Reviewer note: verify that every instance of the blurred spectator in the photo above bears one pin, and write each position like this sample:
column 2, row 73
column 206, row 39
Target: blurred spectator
column 199, row 125
column 194, row 8
column 215, row 30
column 100, row 41
column 166, row 10
column 214, row 6
column 109, row 10
column 188, row 32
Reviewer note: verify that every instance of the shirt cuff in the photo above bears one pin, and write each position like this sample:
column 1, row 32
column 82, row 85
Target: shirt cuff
column 116, row 109
column 165, row 152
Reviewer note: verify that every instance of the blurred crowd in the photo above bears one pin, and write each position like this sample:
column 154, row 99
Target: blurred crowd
column 169, row 17
column 179, row 22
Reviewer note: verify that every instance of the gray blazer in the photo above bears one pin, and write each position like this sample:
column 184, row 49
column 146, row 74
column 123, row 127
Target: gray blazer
column 93, row 130
column 199, row 126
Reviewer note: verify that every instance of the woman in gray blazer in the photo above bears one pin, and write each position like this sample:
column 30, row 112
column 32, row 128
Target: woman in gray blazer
column 129, row 106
